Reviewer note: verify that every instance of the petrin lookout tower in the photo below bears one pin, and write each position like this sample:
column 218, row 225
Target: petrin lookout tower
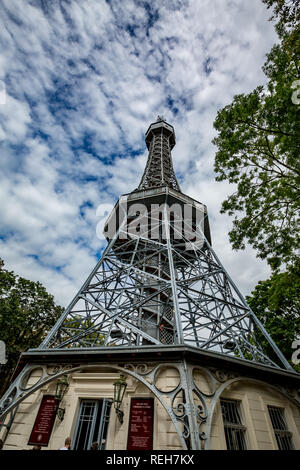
column 159, row 300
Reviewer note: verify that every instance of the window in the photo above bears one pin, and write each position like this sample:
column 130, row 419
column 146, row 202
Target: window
column 233, row 427
column 92, row 424
column 282, row 434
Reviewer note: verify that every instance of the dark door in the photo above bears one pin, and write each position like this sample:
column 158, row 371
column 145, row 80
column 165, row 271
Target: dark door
column 92, row 424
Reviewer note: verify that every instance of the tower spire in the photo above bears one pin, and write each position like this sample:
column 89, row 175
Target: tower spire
column 159, row 171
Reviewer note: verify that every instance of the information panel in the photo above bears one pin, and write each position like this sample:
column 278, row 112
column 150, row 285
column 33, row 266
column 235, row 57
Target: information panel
column 140, row 432
column 44, row 421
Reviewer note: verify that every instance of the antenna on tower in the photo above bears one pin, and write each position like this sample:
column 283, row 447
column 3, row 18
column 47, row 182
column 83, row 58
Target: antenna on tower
column 160, row 118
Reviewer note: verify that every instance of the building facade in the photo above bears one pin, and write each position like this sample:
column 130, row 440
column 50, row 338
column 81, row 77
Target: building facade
column 240, row 407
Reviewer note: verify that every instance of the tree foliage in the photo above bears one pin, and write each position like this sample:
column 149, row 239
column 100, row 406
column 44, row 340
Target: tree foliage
column 276, row 302
column 77, row 324
column 27, row 312
column 258, row 145
column 287, row 11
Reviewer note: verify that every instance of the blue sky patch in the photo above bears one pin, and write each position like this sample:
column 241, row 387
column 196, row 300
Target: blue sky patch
column 83, row 82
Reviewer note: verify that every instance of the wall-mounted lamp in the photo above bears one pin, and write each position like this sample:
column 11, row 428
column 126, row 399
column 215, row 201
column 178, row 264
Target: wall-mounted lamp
column 229, row 345
column 61, row 388
column 119, row 391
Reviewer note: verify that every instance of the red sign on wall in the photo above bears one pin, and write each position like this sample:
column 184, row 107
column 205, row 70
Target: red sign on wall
column 140, row 432
column 44, row 421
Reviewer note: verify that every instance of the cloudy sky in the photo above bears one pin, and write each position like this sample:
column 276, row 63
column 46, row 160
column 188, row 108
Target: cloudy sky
column 83, row 79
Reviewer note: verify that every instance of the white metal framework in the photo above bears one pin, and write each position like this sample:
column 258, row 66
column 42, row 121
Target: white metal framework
column 159, row 284
column 151, row 292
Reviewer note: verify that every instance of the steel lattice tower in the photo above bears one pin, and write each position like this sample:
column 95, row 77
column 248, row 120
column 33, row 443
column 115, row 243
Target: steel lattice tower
column 159, row 280
column 159, row 285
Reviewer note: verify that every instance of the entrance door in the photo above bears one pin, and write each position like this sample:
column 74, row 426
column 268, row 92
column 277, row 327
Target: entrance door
column 92, row 424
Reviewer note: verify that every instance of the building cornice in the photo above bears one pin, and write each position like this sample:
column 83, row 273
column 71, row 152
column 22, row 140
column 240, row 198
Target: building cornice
column 168, row 354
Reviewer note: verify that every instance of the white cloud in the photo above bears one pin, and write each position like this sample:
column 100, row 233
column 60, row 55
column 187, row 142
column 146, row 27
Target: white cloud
column 14, row 119
column 84, row 80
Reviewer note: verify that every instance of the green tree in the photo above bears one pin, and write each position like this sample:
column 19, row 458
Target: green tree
column 287, row 11
column 258, row 146
column 276, row 302
column 27, row 312
column 76, row 324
